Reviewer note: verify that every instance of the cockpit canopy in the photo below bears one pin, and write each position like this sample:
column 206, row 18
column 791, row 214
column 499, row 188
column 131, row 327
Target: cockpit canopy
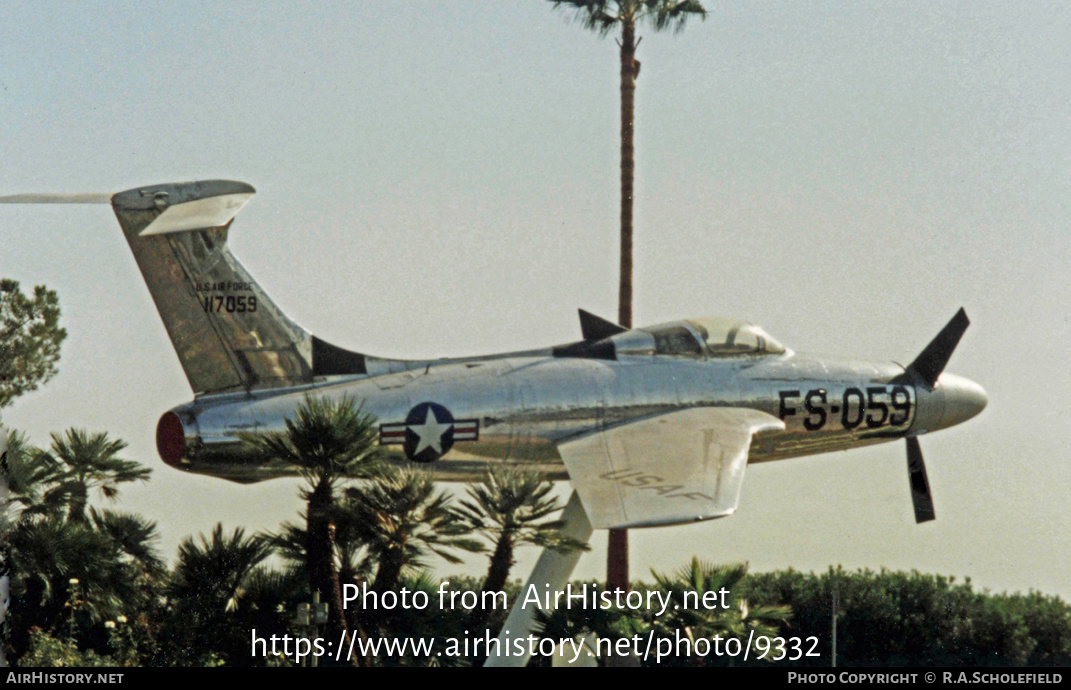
column 709, row 337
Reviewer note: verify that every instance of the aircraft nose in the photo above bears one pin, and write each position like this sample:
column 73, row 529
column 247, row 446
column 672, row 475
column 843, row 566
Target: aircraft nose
column 963, row 398
column 952, row 401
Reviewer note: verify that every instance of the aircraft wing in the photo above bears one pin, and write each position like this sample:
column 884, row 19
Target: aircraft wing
column 677, row 467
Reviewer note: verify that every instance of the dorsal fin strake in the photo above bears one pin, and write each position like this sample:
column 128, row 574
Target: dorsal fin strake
column 596, row 328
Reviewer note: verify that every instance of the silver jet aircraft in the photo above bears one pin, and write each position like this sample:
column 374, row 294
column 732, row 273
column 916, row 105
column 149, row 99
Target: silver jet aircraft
column 651, row 426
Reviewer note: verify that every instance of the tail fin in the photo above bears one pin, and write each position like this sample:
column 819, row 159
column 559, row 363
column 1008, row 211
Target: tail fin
column 227, row 332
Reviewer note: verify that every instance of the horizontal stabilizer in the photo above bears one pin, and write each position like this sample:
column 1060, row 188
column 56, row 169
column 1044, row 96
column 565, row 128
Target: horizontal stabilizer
column 186, row 207
column 214, row 212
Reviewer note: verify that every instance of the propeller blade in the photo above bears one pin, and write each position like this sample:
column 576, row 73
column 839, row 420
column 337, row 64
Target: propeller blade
column 920, row 486
column 931, row 362
column 83, row 198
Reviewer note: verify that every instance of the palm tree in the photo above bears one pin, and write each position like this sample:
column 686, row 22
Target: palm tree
column 731, row 617
column 30, row 474
column 76, row 567
column 68, row 576
column 209, row 583
column 606, row 16
column 350, row 552
column 402, row 518
column 439, row 625
column 724, row 613
column 213, row 572
column 566, row 623
column 327, row 440
column 135, row 537
column 86, row 462
column 511, row 508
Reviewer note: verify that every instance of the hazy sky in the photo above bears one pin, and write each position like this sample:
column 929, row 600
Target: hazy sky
column 440, row 178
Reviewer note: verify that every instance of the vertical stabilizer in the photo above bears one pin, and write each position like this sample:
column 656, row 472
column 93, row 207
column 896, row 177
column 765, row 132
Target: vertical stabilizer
column 228, row 334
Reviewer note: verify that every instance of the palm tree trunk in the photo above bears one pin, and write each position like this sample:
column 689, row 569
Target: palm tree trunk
column 501, row 563
column 320, row 554
column 389, row 571
column 79, row 498
column 338, row 611
column 617, row 551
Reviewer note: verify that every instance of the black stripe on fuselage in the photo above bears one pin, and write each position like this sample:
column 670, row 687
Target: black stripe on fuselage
column 587, row 349
column 329, row 360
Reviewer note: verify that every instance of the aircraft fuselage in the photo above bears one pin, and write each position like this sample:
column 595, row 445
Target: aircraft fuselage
column 516, row 409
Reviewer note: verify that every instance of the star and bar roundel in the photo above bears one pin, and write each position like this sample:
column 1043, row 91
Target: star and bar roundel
column 428, row 432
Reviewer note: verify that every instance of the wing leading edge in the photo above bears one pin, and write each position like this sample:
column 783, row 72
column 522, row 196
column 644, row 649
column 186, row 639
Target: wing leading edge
column 678, row 467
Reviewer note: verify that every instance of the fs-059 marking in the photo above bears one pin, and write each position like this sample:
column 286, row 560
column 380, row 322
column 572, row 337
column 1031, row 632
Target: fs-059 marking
column 871, row 407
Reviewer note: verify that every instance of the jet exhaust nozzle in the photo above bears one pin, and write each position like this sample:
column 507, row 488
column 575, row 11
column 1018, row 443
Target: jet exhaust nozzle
column 171, row 436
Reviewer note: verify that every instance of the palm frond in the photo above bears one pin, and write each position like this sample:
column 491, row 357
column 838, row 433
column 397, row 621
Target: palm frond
column 215, row 569
column 135, row 535
column 326, row 438
column 402, row 517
